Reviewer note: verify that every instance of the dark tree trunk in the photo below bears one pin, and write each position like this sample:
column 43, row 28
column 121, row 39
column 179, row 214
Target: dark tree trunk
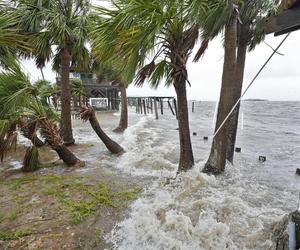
column 240, row 69
column 28, row 130
column 54, row 100
column 217, row 159
column 186, row 160
column 36, row 141
column 181, row 47
column 111, row 145
column 52, row 136
column 65, row 122
column 89, row 114
column 124, row 110
column 67, row 156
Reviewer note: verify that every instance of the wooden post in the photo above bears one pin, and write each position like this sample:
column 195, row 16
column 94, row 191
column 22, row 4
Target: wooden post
column 161, row 106
column 151, row 105
column 147, row 105
column 140, row 106
column 193, row 107
column 155, row 108
column 170, row 106
column 136, row 105
column 175, row 107
column 144, row 104
column 296, row 219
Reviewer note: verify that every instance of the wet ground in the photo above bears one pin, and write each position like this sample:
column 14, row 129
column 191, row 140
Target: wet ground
column 58, row 207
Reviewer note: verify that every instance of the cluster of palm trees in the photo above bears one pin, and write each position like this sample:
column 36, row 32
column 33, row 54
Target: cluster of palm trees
column 131, row 41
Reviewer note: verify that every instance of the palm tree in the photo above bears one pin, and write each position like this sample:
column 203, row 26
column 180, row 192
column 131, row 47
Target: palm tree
column 62, row 24
column 45, row 89
column 239, row 23
column 10, row 35
column 88, row 114
column 115, row 74
column 77, row 90
column 19, row 101
column 160, row 32
column 123, row 123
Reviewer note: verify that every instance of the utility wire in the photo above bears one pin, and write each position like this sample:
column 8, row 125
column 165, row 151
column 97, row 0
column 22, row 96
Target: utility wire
column 255, row 77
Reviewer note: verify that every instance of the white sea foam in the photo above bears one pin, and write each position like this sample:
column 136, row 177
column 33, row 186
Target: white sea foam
column 197, row 211
column 145, row 154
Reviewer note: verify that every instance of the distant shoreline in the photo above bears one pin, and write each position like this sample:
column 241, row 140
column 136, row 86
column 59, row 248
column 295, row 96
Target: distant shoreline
column 256, row 100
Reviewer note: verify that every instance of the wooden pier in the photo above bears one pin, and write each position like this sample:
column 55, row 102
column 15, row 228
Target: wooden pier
column 153, row 104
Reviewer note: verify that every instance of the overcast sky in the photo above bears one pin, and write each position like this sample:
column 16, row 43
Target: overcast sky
column 279, row 81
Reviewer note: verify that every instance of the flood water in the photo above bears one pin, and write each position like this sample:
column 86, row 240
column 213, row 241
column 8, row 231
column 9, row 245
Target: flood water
column 236, row 210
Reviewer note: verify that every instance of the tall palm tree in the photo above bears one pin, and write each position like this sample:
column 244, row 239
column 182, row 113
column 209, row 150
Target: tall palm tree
column 19, row 101
column 159, row 32
column 62, row 24
column 242, row 30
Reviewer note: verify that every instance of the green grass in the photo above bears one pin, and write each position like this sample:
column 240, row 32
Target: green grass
column 78, row 199
column 14, row 235
column 17, row 183
column 93, row 196
column 13, row 215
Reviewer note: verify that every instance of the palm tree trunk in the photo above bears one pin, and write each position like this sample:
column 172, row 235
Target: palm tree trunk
column 65, row 122
column 54, row 100
column 240, row 69
column 52, row 136
column 42, row 73
column 80, row 101
column 123, row 124
column 217, row 159
column 89, row 114
column 186, row 160
column 28, row 130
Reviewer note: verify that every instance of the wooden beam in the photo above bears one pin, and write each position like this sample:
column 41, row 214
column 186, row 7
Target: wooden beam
column 285, row 22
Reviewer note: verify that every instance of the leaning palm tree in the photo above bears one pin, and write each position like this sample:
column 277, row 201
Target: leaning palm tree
column 19, row 101
column 62, row 24
column 160, row 32
column 88, row 114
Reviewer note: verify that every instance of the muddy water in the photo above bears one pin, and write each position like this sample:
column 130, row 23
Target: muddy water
column 237, row 210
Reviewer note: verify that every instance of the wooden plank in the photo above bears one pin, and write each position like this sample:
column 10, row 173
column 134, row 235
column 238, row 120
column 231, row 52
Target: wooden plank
column 285, row 22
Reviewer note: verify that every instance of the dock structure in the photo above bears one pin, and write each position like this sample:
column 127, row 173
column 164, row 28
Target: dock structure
column 153, row 104
column 96, row 87
column 286, row 21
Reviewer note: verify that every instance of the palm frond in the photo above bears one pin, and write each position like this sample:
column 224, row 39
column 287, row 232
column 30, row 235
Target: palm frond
column 31, row 160
column 201, row 51
column 144, row 73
